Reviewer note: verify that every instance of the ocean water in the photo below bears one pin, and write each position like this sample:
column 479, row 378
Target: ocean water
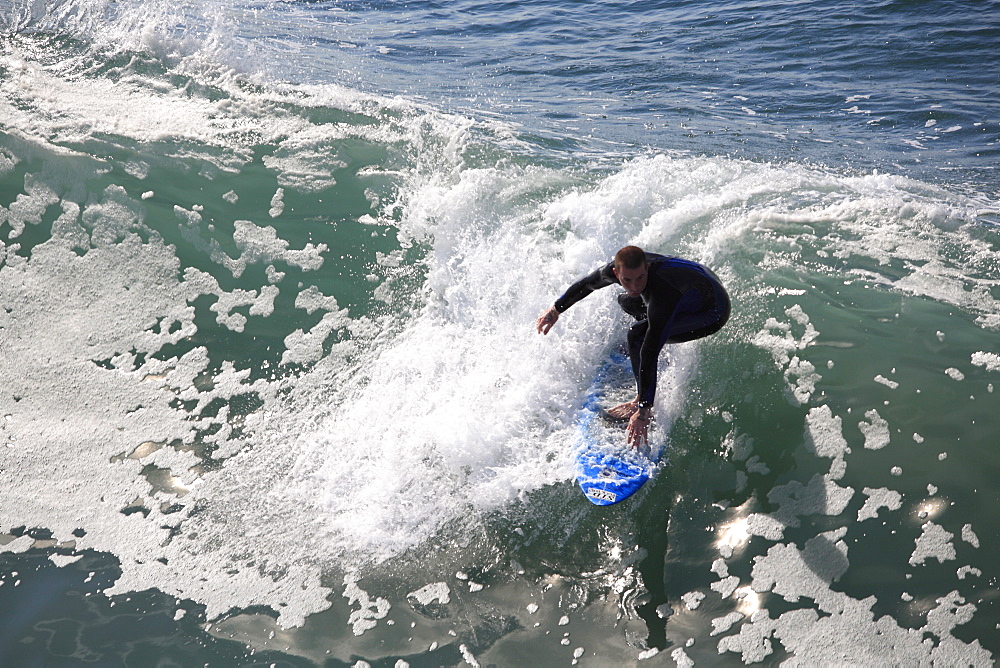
column 270, row 389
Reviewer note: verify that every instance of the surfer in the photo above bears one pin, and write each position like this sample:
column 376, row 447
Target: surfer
column 672, row 300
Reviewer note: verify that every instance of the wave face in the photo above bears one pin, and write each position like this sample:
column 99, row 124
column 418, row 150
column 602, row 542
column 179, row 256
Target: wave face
column 269, row 274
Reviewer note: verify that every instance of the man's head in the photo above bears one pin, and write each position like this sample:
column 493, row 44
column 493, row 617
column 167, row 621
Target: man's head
column 631, row 269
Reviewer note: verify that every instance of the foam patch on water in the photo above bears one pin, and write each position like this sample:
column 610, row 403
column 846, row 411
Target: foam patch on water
column 824, row 435
column 934, row 542
column 876, row 431
column 922, row 241
column 989, row 361
column 369, row 612
column 781, row 340
column 877, row 499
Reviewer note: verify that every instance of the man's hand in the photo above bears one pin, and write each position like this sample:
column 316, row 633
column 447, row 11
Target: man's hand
column 636, row 434
column 546, row 320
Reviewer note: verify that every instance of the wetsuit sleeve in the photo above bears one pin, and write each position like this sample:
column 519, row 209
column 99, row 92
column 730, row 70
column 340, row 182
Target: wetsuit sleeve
column 662, row 309
column 601, row 278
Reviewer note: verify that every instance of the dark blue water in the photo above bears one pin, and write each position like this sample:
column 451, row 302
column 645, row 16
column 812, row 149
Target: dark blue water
column 869, row 85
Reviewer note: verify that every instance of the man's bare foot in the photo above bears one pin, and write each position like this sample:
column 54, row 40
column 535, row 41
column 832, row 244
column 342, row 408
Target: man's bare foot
column 624, row 411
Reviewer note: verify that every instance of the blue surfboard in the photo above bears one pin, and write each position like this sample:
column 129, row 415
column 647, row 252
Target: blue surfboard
column 607, row 469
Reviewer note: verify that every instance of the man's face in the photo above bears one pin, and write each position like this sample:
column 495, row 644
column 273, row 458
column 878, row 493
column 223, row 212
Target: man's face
column 633, row 280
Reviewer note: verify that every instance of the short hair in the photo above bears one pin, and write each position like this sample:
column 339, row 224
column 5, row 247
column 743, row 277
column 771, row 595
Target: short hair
column 630, row 257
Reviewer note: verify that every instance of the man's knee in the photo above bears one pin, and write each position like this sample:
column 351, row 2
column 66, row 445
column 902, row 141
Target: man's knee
column 634, row 306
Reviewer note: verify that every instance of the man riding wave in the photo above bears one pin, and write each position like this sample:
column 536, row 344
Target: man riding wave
column 673, row 301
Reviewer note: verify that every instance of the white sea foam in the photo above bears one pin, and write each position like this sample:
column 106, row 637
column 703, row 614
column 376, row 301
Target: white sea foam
column 816, row 639
column 369, row 612
column 969, row 536
column 990, row 361
column 693, row 599
column 824, row 434
column 681, row 658
column 110, row 410
column 877, row 499
column 795, row 573
column 800, row 374
column 891, row 384
column 876, row 431
column 436, row 591
column 934, row 542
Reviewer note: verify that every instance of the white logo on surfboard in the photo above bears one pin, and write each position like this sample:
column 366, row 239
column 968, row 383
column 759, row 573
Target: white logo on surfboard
column 602, row 495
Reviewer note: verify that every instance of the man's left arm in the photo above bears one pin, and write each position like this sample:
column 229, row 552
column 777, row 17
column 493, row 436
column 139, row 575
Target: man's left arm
column 661, row 311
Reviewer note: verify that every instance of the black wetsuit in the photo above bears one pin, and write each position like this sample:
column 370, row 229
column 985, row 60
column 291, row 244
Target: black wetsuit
column 682, row 301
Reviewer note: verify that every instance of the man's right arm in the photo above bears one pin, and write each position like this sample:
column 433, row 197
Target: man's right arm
column 597, row 279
